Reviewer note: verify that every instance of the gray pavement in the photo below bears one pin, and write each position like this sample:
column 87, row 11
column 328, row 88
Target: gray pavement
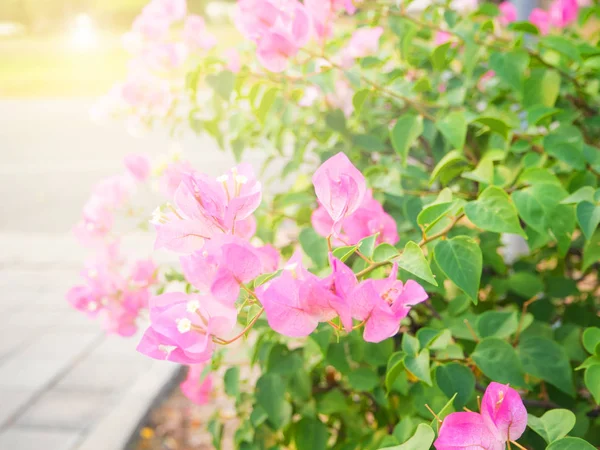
column 60, row 376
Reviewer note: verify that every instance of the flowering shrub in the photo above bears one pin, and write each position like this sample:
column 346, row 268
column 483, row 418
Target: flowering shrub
column 446, row 246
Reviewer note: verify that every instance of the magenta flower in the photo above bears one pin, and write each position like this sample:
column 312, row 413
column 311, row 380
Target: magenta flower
column 170, row 10
column 323, row 14
column 563, row 12
column 195, row 34
column 138, row 166
column 340, row 188
column 368, row 219
column 232, row 57
column 541, row 19
column 382, row 304
column 503, row 418
column 364, row 42
column 441, row 37
column 182, row 327
column 208, row 208
column 172, row 175
column 195, row 387
column 280, row 29
column 508, row 12
column 144, row 273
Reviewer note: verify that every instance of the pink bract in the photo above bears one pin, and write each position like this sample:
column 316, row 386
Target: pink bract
column 198, row 384
column 182, row 327
column 138, row 166
column 508, row 12
column 503, row 418
column 340, row 188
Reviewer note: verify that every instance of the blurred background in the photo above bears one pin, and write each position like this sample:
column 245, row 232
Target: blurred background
column 64, row 384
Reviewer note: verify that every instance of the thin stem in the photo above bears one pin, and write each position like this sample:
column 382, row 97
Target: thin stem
column 218, row 340
column 432, row 413
column 423, row 242
column 518, row 445
column 522, row 318
column 471, row 330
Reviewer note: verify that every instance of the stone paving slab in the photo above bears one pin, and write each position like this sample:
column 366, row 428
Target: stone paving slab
column 34, row 439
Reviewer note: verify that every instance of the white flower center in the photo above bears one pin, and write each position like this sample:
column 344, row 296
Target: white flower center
column 184, row 325
column 193, row 306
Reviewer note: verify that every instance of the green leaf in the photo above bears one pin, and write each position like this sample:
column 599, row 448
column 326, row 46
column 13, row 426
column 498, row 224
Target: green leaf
column 553, row 425
column 588, row 217
column 592, row 381
column 419, row 366
column 363, row 379
column 456, row 379
column 395, row 367
column 405, row 132
column 541, row 88
column 461, row 261
column 410, row 344
column 231, row 380
column 343, row 253
column 544, row 358
column 562, row 46
column 450, row 161
column 270, row 395
column 222, row 83
column 367, row 245
column 454, row 128
column 591, row 339
column 336, row 121
column 384, row 252
column 421, row 440
column 314, row 246
column 526, row 284
column 483, row 173
column 413, row 261
column 311, row 434
column 494, row 211
column 500, row 324
column 591, row 251
column 358, row 100
column 369, row 142
column 439, row 56
column 586, row 193
column 570, row 443
column 525, row 27
column 266, row 103
column 566, row 144
column 498, row 360
column 510, row 67
column 495, row 125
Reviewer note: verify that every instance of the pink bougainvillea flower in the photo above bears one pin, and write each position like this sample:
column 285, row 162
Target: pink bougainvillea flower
column 150, row 27
column 382, row 304
column 563, row 12
column 196, row 35
column 503, row 418
column 484, row 79
column 342, row 97
column 508, row 12
column 147, row 93
column 340, row 188
column 286, row 304
column 198, row 385
column 165, row 55
column 503, row 409
column 340, row 283
column 465, row 430
column 224, row 264
column 138, row 166
column 368, row 219
column 144, row 272
column 207, row 208
column 280, row 29
column 172, row 175
column 182, row 327
column 170, row 10
column 441, row 37
column 232, row 57
column 364, row 42
column 311, row 94
column 541, row 19
column 323, row 14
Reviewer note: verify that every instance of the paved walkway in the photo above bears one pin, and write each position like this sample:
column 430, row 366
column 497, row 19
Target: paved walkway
column 60, row 376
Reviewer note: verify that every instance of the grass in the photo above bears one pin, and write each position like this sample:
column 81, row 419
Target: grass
column 34, row 67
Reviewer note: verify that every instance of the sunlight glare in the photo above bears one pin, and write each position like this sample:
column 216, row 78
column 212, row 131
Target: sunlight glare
column 84, row 35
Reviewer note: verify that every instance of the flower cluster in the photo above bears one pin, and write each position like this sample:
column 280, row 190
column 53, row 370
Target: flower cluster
column 211, row 223
column 112, row 291
column 502, row 420
column 109, row 294
column 560, row 14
